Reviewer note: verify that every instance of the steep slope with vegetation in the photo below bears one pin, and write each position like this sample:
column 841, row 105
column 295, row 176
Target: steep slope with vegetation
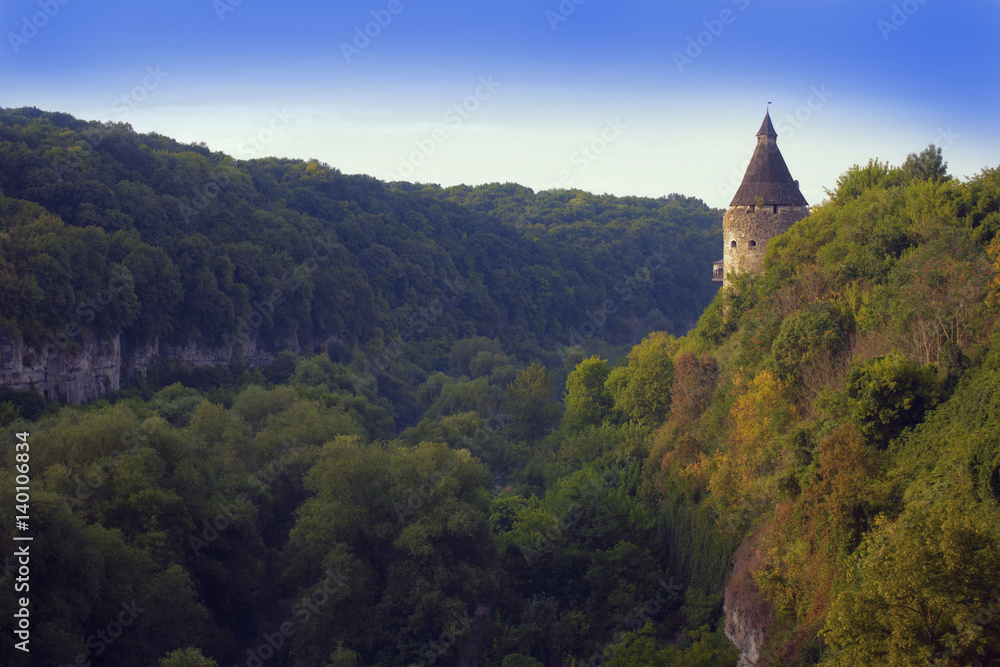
column 104, row 231
column 860, row 457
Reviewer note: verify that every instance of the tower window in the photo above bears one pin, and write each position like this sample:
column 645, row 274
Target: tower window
column 775, row 208
column 752, row 244
column 733, row 244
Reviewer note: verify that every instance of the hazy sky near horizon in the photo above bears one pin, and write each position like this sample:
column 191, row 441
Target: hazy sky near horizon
column 625, row 97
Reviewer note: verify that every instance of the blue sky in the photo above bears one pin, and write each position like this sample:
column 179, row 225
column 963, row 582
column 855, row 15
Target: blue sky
column 626, row 97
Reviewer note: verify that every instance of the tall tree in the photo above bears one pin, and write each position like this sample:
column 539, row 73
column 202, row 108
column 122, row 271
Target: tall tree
column 529, row 406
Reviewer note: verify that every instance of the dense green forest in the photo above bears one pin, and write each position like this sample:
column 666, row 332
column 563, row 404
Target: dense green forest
column 196, row 246
column 822, row 450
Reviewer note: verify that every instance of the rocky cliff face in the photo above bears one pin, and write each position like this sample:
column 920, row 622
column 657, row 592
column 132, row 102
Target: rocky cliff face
column 747, row 612
column 71, row 376
column 193, row 354
column 96, row 367
column 744, row 631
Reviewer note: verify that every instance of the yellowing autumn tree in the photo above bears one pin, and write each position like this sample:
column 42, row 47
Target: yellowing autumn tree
column 757, row 416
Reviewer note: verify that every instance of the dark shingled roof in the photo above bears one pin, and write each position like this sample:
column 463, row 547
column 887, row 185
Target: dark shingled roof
column 767, row 177
column 766, row 128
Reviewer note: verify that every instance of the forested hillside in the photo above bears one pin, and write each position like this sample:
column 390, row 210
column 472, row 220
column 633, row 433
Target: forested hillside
column 195, row 246
column 852, row 435
column 814, row 469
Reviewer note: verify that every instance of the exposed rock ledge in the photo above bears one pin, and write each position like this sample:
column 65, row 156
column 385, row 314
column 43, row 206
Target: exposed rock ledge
column 97, row 367
column 748, row 614
column 74, row 377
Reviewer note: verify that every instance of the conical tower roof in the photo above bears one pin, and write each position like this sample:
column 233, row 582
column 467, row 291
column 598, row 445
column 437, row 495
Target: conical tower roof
column 767, row 180
column 766, row 128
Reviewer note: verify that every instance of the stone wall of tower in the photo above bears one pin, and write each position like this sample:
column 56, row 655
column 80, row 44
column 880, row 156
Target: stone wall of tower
column 757, row 225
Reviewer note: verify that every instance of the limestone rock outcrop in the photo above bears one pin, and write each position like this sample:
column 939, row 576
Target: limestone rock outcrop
column 747, row 613
column 90, row 368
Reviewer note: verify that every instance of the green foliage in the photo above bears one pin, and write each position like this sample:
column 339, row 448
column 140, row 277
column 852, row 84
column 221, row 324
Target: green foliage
column 640, row 391
column 925, row 592
column 700, row 607
column 529, row 406
column 712, row 326
column 893, row 272
column 814, row 334
column 26, row 404
column 929, row 165
column 465, row 351
column 518, row 660
column 405, row 529
column 113, row 232
column 960, row 435
column 343, row 657
column 889, row 394
column 9, row 413
column 463, row 395
column 858, row 180
column 189, row 657
column 698, row 648
column 587, row 400
column 876, row 234
column 255, row 404
column 695, row 379
column 374, row 498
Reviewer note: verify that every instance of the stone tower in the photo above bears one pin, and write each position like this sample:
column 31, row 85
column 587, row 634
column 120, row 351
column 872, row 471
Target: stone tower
column 767, row 203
